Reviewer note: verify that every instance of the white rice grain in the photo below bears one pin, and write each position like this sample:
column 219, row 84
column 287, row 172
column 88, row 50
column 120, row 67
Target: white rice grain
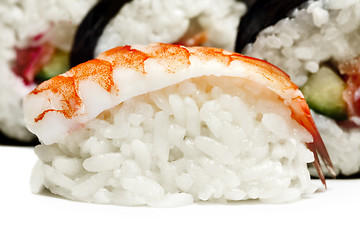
column 103, row 162
column 142, row 154
column 67, row 166
column 91, row 185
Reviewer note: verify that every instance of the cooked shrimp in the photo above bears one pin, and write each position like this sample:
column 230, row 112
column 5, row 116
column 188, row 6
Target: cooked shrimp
column 147, row 66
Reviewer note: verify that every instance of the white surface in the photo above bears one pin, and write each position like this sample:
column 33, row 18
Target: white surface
column 333, row 213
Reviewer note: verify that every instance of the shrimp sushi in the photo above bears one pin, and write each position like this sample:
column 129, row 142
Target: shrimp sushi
column 167, row 125
column 318, row 46
column 41, row 39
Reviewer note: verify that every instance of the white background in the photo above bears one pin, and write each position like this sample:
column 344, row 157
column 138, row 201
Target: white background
column 330, row 214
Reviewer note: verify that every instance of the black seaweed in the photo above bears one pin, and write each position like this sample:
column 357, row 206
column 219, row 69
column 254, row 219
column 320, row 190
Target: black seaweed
column 261, row 14
column 91, row 28
column 248, row 3
column 6, row 141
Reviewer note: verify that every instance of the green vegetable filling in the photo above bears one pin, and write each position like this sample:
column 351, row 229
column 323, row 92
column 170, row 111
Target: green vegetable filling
column 324, row 93
column 57, row 65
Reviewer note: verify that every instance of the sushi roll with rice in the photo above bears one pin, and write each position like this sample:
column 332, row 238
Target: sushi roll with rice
column 32, row 33
column 167, row 125
column 41, row 39
column 318, row 46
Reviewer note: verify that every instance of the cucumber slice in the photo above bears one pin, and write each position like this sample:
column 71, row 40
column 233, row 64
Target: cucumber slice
column 57, row 65
column 324, row 93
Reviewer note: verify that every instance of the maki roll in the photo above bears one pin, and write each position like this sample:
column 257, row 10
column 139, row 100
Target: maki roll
column 33, row 33
column 318, row 46
column 206, row 22
column 41, row 39
column 167, row 125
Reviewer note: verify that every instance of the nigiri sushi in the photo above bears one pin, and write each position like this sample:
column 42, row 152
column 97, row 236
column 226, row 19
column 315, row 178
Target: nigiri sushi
column 318, row 46
column 167, row 125
column 41, row 39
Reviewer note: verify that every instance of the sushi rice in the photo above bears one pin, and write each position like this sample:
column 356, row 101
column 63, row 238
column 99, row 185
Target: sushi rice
column 195, row 141
column 319, row 32
column 140, row 21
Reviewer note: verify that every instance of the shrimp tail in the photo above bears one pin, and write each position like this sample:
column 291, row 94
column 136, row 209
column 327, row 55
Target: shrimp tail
column 301, row 113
